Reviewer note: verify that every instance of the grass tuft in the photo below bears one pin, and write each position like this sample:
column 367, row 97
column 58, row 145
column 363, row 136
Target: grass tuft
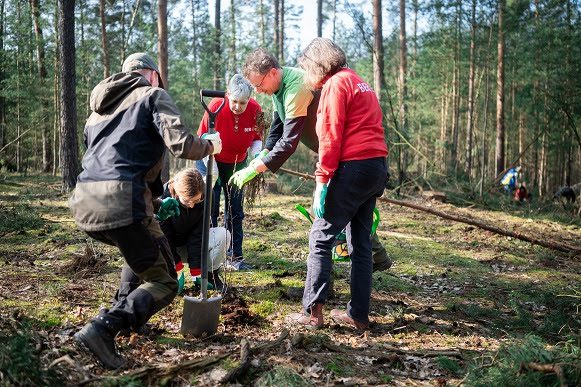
column 282, row 377
column 19, row 218
column 510, row 366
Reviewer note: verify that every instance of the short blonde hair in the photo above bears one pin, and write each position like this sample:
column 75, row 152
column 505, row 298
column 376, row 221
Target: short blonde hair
column 321, row 59
column 189, row 181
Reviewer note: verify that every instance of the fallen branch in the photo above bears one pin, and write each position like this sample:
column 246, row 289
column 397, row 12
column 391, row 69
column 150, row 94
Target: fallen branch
column 264, row 346
column 16, row 139
column 164, row 370
column 556, row 369
column 385, row 349
column 161, row 370
column 513, row 234
column 243, row 365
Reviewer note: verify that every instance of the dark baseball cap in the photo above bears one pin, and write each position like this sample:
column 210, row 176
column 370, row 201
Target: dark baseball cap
column 140, row 60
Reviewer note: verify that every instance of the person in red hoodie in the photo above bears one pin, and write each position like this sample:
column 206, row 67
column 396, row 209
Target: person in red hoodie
column 351, row 173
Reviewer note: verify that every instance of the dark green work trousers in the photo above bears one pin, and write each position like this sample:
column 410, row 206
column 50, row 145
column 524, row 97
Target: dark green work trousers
column 148, row 278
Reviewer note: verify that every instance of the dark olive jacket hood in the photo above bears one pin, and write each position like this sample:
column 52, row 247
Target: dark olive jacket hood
column 126, row 136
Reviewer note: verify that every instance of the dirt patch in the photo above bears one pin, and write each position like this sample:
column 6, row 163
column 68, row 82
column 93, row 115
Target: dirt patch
column 235, row 311
column 87, row 264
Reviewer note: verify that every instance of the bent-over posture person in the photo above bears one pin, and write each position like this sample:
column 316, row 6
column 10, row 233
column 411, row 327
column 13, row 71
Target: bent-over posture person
column 184, row 230
column 294, row 120
column 351, row 173
column 133, row 120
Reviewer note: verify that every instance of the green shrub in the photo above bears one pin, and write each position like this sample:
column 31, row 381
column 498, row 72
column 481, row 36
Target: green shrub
column 20, row 362
column 508, row 366
column 282, row 377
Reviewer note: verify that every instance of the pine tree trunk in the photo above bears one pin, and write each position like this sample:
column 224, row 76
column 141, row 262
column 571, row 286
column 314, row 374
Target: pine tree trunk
column 378, row 75
column 535, row 174
column 262, row 24
column 69, row 142
column 163, row 68
column 2, row 98
column 106, row 65
column 194, row 42
column 217, row 47
column 18, row 73
column 56, row 99
column 500, row 133
column 162, row 41
column 521, row 137
column 232, row 39
column 276, row 27
column 42, row 78
column 444, row 128
column 281, row 33
column 471, row 76
column 456, row 91
column 485, row 126
column 334, row 19
column 403, row 52
column 319, row 18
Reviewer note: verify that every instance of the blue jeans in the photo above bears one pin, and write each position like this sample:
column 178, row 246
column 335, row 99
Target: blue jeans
column 350, row 201
column 233, row 205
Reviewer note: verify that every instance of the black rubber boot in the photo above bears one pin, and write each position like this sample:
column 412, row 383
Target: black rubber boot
column 100, row 341
column 215, row 280
column 382, row 266
column 143, row 330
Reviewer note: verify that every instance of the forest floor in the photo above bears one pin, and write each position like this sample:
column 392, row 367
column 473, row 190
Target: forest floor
column 460, row 306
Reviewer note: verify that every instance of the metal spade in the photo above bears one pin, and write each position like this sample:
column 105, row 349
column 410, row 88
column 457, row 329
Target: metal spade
column 201, row 314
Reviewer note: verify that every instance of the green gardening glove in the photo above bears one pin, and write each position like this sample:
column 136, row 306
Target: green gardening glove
column 260, row 155
column 376, row 220
column 198, row 283
column 181, row 281
column 319, row 200
column 244, row 175
column 169, row 207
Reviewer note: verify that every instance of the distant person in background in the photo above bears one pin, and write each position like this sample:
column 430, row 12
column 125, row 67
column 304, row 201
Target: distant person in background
column 350, row 175
column 521, row 194
column 565, row 195
column 510, row 181
column 236, row 124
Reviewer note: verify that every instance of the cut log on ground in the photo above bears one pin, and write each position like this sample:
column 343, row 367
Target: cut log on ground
column 457, row 218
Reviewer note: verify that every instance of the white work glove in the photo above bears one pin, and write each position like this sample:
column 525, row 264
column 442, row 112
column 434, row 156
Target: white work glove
column 202, row 167
column 214, row 138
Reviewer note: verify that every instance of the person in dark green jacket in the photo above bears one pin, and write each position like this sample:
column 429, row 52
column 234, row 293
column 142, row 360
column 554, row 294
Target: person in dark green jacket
column 133, row 121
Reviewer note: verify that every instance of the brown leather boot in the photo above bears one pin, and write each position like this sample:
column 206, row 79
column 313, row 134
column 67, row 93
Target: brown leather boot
column 314, row 320
column 341, row 317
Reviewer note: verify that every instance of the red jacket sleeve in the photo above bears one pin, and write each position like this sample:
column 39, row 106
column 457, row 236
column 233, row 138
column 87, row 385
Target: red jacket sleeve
column 331, row 117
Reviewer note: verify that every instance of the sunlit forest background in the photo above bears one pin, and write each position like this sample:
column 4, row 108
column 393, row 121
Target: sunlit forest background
column 469, row 88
